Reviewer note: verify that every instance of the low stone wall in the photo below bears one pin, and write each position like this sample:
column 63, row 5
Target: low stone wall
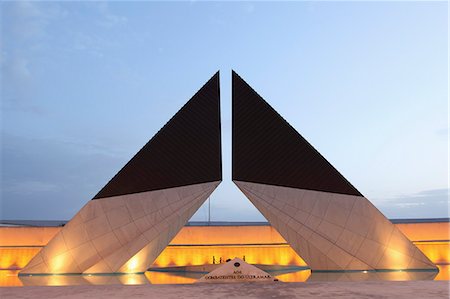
column 200, row 245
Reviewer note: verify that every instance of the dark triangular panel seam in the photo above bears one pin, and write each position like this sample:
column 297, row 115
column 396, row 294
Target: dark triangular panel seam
column 267, row 149
column 186, row 151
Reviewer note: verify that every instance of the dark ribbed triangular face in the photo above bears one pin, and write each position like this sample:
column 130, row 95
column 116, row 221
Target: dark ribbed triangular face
column 267, row 150
column 186, row 151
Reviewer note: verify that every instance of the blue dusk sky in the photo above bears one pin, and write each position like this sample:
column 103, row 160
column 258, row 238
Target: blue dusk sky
column 84, row 85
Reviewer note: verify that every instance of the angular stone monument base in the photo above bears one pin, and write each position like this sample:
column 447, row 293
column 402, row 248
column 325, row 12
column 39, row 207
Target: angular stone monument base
column 236, row 270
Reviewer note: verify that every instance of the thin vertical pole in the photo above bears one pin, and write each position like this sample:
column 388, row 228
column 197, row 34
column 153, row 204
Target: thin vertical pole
column 209, row 210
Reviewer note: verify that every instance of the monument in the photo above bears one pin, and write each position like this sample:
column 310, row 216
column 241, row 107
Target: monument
column 236, row 270
column 324, row 218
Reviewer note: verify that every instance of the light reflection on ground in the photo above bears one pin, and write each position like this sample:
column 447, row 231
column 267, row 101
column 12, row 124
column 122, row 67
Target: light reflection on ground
column 10, row 278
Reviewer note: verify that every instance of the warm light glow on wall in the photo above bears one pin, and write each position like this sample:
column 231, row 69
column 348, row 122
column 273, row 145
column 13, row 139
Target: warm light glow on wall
column 132, row 264
column 230, row 234
column 394, row 259
column 26, row 235
column 16, row 257
column 425, row 231
column 58, row 264
column 444, row 272
column 282, row 255
column 197, row 245
column 437, row 252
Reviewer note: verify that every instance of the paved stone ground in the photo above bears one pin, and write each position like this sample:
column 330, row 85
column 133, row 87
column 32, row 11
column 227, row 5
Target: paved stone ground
column 374, row 289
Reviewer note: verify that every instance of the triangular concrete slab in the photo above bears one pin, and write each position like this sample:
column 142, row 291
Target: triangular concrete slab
column 324, row 218
column 136, row 215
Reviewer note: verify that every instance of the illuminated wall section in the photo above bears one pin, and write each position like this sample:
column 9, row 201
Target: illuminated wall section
column 190, row 244
column 200, row 245
column 264, row 254
column 329, row 223
column 424, row 229
column 196, row 245
column 432, row 238
column 137, row 213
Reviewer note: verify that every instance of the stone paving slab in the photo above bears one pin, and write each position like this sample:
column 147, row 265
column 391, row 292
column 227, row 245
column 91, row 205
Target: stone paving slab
column 374, row 289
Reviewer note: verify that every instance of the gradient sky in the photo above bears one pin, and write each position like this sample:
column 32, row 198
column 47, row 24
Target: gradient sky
column 86, row 84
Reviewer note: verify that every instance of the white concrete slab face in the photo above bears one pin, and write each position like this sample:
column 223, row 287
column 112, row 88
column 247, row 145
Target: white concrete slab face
column 335, row 231
column 106, row 233
column 236, row 270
